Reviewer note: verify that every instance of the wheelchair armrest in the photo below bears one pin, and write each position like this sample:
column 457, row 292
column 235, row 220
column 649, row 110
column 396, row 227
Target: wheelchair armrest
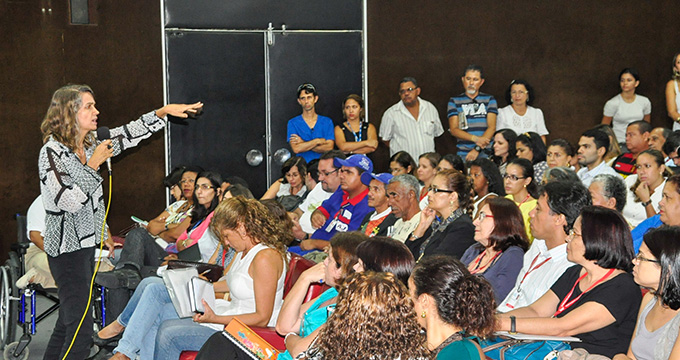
column 20, row 247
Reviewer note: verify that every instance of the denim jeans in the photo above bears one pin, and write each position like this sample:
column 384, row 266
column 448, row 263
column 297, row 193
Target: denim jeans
column 179, row 335
column 148, row 308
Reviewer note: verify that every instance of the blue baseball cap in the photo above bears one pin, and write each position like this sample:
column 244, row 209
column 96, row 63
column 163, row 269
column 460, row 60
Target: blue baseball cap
column 382, row 177
column 360, row 161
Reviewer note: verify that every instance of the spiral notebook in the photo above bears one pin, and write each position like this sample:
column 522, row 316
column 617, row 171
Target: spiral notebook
column 249, row 341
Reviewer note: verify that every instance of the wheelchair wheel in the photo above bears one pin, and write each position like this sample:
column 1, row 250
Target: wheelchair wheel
column 8, row 354
column 9, row 306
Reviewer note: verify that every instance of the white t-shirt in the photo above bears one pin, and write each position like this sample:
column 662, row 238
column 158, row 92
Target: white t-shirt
column 532, row 120
column 35, row 217
column 624, row 113
column 634, row 212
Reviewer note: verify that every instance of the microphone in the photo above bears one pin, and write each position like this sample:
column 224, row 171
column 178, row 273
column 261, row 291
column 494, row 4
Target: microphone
column 103, row 133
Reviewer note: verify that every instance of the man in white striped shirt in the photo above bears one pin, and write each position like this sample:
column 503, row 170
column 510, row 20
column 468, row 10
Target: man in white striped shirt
column 411, row 124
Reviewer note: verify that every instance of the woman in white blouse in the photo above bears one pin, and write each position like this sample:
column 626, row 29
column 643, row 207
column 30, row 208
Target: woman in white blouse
column 627, row 106
column 673, row 94
column 519, row 115
column 645, row 187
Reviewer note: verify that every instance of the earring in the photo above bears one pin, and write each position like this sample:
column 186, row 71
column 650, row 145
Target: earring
column 424, row 314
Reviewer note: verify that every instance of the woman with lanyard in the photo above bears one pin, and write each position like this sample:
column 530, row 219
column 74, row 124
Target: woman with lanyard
column 445, row 226
column 501, row 242
column 521, row 188
column 597, row 299
column 355, row 136
column 73, row 196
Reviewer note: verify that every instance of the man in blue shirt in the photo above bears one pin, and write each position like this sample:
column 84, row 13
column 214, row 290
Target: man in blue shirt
column 346, row 208
column 472, row 115
column 310, row 134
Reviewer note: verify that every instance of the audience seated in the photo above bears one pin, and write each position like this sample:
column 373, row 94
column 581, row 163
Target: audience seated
column 472, row 115
column 608, row 191
column 657, row 137
column 292, row 181
column 451, row 162
column 254, row 280
column 427, row 169
column 379, row 221
column 559, row 153
column 531, row 147
column 559, row 174
column 521, row 188
column 614, row 149
column 411, row 124
column 592, row 148
column 402, row 163
column 504, row 141
column 36, row 266
column 354, row 135
column 637, row 141
column 402, row 197
column 237, row 190
column 519, row 115
column 501, row 243
column 445, row 224
column 384, row 254
column 669, row 211
column 558, row 206
column 671, row 147
column 656, row 269
column 594, row 300
column 627, row 106
column 645, row 187
column 452, row 305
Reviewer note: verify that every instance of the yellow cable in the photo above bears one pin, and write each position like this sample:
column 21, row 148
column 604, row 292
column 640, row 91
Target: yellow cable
column 101, row 247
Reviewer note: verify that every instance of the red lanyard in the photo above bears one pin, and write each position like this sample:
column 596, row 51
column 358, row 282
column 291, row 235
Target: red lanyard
column 565, row 304
column 477, row 269
column 525, row 200
column 532, row 268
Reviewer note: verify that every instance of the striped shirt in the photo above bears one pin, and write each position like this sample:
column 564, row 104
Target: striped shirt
column 404, row 132
column 475, row 111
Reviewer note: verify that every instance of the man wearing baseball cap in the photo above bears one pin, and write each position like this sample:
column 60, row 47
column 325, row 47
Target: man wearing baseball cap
column 346, row 208
column 380, row 221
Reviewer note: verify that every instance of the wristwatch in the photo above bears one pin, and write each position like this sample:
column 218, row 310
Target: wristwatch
column 646, row 203
column 478, row 149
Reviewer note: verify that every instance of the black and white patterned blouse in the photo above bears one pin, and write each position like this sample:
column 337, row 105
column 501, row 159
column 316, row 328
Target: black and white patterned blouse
column 72, row 191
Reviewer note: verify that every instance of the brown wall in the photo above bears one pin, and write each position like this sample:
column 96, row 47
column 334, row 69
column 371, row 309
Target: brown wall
column 570, row 51
column 120, row 58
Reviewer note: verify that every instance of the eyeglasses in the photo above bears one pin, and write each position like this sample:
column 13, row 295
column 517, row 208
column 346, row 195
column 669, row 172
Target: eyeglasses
column 435, row 190
column 572, row 234
column 204, row 187
column 483, row 215
column 639, row 257
column 326, row 173
column 513, row 177
column 187, row 181
column 404, row 91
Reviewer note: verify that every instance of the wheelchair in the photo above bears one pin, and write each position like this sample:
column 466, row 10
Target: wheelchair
column 18, row 306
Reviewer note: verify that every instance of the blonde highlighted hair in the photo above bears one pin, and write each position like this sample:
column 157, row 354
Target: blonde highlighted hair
column 61, row 120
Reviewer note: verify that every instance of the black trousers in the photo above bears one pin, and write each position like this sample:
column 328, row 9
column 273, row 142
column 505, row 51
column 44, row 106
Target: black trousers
column 219, row 347
column 141, row 251
column 72, row 272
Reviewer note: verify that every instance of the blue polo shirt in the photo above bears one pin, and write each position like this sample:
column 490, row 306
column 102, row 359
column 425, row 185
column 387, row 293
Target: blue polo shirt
column 343, row 214
column 323, row 128
column 639, row 232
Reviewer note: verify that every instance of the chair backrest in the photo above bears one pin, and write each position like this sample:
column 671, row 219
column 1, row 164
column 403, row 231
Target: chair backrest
column 296, row 266
column 22, row 236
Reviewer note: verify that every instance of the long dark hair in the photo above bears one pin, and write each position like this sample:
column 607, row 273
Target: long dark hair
column 294, row 161
column 464, row 300
column 508, row 225
column 405, row 160
column 492, row 175
column 664, row 244
column 527, row 171
column 199, row 212
column 384, row 254
column 533, row 141
column 511, row 137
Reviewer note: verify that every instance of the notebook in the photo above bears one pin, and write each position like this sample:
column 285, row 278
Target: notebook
column 249, row 341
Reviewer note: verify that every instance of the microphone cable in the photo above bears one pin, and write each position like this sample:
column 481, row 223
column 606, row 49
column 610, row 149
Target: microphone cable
column 99, row 258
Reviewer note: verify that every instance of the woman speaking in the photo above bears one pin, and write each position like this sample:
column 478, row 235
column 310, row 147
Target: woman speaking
column 73, row 196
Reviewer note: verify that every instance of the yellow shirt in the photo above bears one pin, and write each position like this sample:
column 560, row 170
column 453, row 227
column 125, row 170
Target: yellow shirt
column 525, row 208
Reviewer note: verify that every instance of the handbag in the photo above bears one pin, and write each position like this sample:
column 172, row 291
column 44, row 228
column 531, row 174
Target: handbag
column 502, row 348
column 212, row 272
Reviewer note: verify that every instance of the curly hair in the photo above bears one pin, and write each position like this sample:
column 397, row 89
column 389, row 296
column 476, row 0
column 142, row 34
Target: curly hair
column 257, row 220
column 462, row 185
column 280, row 214
column 61, row 120
column 464, row 300
column 374, row 314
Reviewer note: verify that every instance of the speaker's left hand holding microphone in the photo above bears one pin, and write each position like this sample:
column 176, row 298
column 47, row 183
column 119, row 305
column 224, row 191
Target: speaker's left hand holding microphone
column 180, row 110
column 102, row 152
